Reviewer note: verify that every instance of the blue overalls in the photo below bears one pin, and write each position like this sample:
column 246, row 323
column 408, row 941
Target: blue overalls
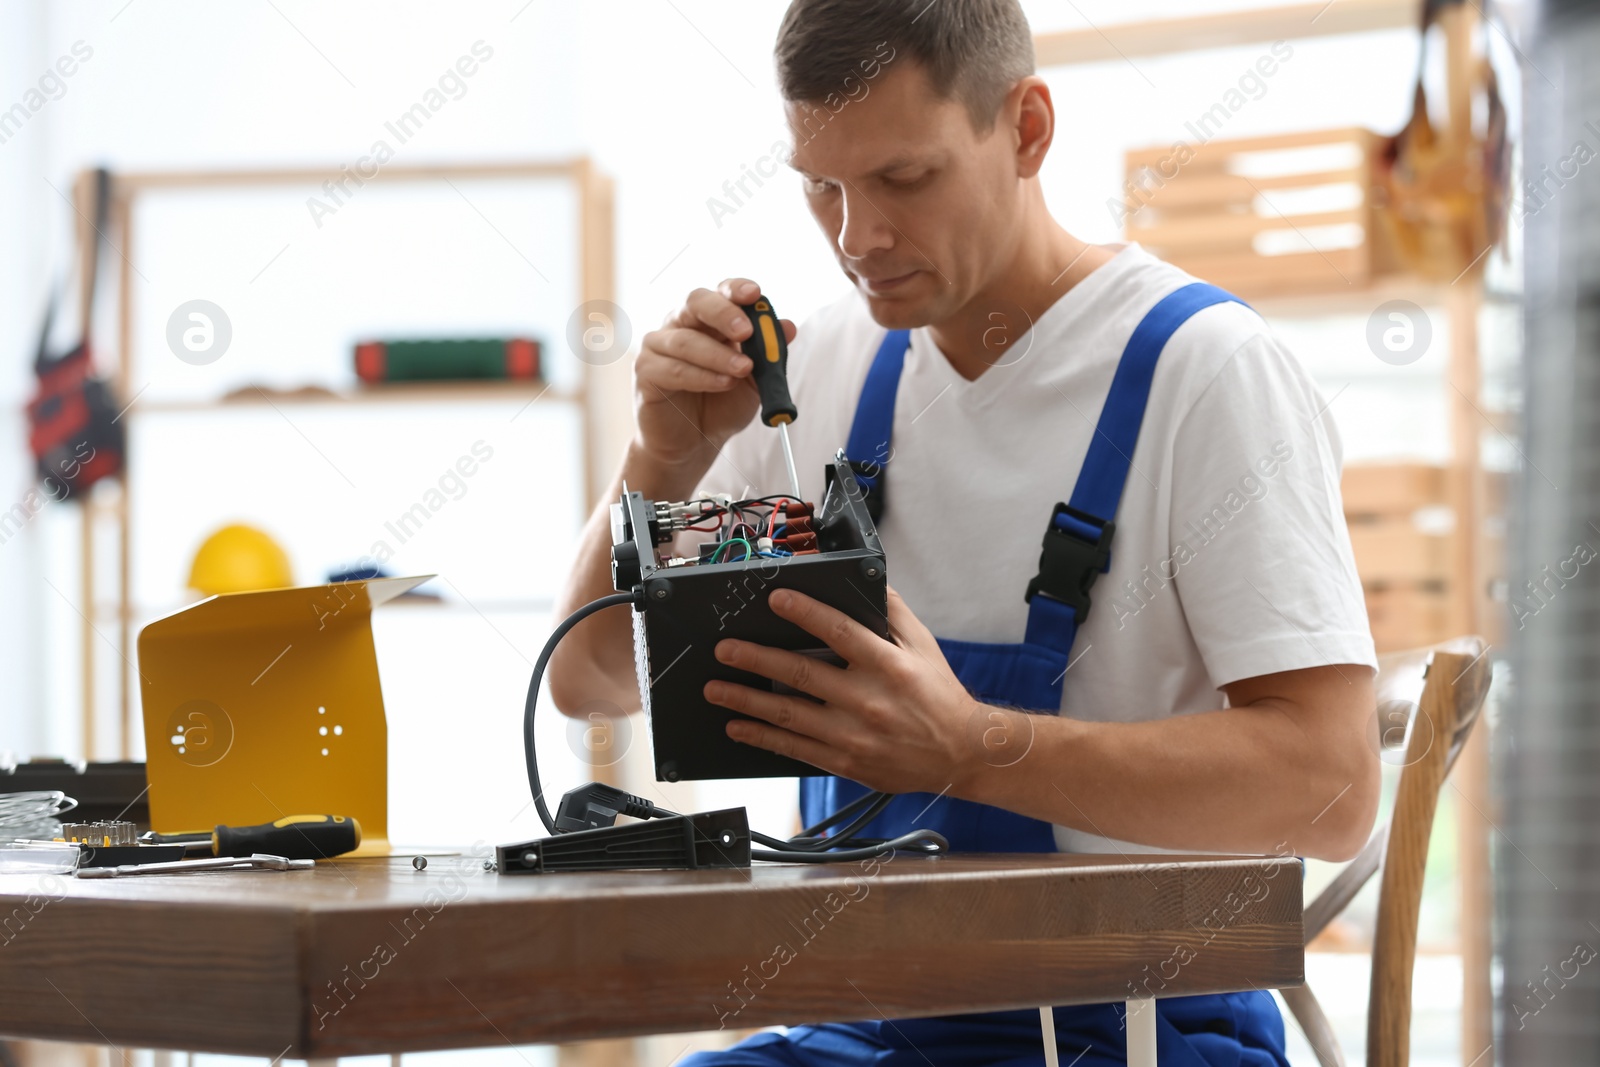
column 1240, row 1030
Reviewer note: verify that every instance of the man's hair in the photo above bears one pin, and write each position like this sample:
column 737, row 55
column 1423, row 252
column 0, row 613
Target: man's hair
column 972, row 50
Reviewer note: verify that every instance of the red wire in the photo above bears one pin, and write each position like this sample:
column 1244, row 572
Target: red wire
column 714, row 513
column 772, row 519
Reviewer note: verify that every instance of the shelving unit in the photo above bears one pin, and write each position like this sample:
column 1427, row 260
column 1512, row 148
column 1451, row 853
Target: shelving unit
column 396, row 393
column 1210, row 226
column 594, row 271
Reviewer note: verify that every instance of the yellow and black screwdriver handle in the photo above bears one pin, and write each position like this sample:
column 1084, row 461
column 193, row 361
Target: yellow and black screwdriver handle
column 769, row 351
column 296, row 837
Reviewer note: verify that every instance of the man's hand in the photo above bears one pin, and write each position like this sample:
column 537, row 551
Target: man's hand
column 896, row 719
column 692, row 384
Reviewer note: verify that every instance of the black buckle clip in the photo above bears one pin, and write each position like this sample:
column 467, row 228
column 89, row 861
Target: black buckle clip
column 1069, row 564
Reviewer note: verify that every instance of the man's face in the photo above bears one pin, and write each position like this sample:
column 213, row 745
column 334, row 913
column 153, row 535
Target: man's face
column 920, row 207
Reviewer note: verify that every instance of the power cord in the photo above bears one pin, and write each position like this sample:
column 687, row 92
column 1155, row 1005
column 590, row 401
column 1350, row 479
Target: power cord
column 638, row 808
column 596, row 805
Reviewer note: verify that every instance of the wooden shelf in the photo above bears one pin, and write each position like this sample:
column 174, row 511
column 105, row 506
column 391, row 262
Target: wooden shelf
column 1113, row 41
column 573, row 169
column 395, row 393
column 491, row 606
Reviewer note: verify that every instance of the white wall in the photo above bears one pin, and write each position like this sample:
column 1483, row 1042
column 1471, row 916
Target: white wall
column 22, row 45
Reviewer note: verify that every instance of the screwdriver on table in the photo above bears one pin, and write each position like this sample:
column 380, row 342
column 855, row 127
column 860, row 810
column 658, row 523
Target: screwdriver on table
column 311, row 837
column 769, row 352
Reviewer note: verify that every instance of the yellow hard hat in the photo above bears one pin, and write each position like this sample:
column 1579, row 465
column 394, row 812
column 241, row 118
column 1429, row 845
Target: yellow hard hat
column 237, row 559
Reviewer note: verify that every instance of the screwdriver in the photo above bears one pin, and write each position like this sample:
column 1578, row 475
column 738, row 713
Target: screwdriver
column 769, row 352
column 311, row 837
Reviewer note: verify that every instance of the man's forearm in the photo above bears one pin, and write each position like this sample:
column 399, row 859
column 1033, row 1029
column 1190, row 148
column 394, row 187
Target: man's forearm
column 595, row 660
column 1247, row 779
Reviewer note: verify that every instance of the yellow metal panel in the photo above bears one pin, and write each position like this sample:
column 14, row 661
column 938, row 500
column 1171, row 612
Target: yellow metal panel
column 263, row 705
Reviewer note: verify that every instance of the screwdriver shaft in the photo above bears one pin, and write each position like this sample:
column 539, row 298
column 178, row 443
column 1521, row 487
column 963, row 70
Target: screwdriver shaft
column 225, row 863
column 788, row 460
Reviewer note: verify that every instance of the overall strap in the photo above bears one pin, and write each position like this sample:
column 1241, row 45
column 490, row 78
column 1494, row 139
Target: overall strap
column 868, row 447
column 1077, row 543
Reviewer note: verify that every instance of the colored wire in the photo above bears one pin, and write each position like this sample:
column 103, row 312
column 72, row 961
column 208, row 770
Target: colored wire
column 725, row 544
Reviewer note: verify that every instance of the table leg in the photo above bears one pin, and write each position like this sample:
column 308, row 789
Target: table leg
column 1141, row 1033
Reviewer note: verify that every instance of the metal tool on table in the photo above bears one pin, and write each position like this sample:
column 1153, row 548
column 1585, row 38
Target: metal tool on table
column 114, row 843
column 769, row 351
column 221, row 863
column 104, row 833
column 300, row 837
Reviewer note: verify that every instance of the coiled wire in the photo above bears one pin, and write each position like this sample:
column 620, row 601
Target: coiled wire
column 25, row 816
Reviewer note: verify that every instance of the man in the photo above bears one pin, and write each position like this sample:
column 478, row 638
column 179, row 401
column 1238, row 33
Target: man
column 991, row 364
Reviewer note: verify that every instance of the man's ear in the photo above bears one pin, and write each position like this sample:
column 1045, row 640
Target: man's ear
column 1033, row 117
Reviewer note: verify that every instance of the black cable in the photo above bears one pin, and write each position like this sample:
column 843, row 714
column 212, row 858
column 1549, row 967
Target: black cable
column 913, row 842
column 815, row 842
column 528, row 751
column 843, row 813
column 839, row 836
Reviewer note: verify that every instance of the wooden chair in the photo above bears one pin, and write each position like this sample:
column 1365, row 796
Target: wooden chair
column 1445, row 685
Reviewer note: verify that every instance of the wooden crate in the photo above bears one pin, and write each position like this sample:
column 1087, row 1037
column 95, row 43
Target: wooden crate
column 1407, row 616
column 1255, row 215
column 1391, row 490
column 1396, row 552
column 1496, row 493
column 1405, row 569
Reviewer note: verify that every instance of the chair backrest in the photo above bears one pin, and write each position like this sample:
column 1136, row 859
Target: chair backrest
column 1429, row 698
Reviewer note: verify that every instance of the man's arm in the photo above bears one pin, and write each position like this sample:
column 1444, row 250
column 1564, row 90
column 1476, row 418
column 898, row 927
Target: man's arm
column 1293, row 761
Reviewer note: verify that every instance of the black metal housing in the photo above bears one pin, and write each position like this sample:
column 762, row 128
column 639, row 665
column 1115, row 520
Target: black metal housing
column 688, row 609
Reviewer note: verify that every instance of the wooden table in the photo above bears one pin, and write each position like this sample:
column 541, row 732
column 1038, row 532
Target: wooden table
column 372, row 956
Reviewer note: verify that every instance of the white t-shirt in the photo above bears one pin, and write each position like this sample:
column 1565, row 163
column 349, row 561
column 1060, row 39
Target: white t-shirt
column 1231, row 558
